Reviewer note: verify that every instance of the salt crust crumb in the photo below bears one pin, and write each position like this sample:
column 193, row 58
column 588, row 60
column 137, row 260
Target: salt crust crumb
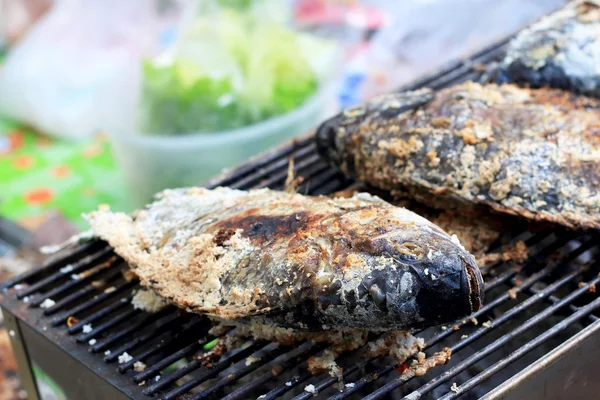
column 310, row 389
column 147, row 300
column 125, row 357
column 139, row 366
column 454, row 387
column 47, row 303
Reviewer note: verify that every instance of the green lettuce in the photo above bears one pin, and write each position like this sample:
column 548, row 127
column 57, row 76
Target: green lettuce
column 263, row 71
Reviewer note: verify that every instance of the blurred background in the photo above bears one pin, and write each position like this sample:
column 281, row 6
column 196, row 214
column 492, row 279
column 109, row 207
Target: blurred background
column 108, row 102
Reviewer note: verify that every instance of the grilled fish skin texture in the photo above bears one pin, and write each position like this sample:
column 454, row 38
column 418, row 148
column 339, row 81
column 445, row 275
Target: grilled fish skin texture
column 528, row 152
column 311, row 263
column 561, row 51
column 479, row 231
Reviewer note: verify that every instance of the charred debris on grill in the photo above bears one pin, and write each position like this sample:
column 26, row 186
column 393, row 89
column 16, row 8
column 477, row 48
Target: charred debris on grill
column 296, row 262
column 532, row 153
column 561, row 50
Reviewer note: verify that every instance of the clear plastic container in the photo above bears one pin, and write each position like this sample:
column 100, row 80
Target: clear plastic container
column 153, row 163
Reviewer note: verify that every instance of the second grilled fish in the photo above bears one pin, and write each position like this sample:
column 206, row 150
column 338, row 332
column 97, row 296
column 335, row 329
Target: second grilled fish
column 528, row 152
column 309, row 263
column 561, row 50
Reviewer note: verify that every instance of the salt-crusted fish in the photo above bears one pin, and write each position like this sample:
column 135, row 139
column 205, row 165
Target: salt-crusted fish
column 311, row 263
column 561, row 50
column 528, row 152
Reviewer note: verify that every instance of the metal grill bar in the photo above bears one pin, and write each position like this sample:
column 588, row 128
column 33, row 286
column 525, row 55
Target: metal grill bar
column 117, row 319
column 238, row 373
column 527, row 348
column 455, row 71
column 100, row 271
column 525, row 285
column 327, row 382
column 279, row 177
column 283, row 389
column 65, row 272
column 162, row 364
column 318, row 174
column 180, row 337
column 553, row 300
column 328, row 182
column 172, row 377
column 83, row 293
column 287, row 362
column 68, row 256
column 221, row 366
column 258, row 165
column 116, row 336
column 275, row 167
column 547, row 250
column 171, row 322
column 122, row 302
column 509, row 336
column 498, row 343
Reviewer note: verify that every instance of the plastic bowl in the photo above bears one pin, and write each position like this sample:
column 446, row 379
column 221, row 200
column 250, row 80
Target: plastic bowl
column 153, row 163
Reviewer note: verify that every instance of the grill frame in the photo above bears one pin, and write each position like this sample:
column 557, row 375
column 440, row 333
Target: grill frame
column 34, row 337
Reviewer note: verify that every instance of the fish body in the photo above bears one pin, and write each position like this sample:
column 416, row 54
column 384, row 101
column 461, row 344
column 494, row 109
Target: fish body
column 308, row 263
column 561, row 51
column 534, row 153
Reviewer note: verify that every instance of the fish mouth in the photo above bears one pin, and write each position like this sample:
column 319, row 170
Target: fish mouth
column 473, row 284
column 456, row 291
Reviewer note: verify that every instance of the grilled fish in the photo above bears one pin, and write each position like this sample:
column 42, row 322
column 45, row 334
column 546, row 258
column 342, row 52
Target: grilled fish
column 561, row 50
column 528, row 152
column 308, row 263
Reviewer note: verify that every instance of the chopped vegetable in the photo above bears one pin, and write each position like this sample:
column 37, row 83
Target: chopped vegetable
column 229, row 70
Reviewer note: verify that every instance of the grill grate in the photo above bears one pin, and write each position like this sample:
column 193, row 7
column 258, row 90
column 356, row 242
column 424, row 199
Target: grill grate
column 543, row 302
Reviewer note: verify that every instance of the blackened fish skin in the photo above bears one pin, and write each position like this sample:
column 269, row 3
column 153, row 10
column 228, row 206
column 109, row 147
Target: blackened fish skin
column 311, row 263
column 561, row 51
column 534, row 153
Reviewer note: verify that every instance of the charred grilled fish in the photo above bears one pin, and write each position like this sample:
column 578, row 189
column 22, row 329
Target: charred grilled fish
column 561, row 51
column 311, row 263
column 528, row 152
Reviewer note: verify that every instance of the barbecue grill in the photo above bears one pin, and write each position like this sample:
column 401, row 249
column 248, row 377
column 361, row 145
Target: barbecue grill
column 536, row 336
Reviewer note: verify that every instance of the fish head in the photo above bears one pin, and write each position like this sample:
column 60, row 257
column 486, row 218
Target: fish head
column 445, row 282
column 422, row 277
column 332, row 135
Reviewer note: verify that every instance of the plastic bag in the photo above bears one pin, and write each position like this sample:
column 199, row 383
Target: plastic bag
column 16, row 17
column 423, row 35
column 77, row 71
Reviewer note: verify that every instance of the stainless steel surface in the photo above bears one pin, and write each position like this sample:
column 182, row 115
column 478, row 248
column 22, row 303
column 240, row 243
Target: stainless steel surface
column 568, row 372
column 21, row 355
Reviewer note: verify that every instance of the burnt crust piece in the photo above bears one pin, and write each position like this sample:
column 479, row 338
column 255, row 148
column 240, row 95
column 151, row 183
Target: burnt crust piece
column 561, row 51
column 529, row 152
column 311, row 263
